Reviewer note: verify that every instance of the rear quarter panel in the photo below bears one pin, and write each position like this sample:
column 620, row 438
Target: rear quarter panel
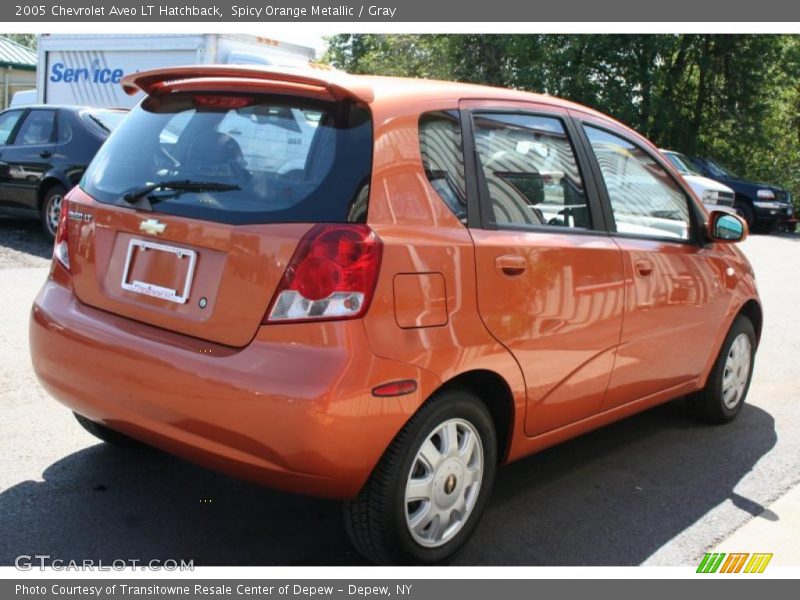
column 421, row 235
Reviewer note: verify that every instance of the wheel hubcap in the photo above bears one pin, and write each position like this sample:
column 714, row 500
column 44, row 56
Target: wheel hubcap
column 444, row 483
column 54, row 212
column 737, row 371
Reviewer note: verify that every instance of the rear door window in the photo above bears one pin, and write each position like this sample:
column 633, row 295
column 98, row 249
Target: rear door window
column 529, row 171
column 36, row 129
column 265, row 159
column 63, row 127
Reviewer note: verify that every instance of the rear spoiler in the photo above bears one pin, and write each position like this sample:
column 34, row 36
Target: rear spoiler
column 336, row 83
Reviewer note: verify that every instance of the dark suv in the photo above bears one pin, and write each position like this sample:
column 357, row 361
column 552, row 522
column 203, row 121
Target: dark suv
column 760, row 204
column 44, row 151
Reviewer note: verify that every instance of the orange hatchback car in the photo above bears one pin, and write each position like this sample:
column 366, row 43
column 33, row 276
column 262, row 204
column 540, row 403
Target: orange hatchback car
column 379, row 289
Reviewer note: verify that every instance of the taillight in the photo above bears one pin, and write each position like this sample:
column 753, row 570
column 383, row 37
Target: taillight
column 332, row 275
column 61, row 248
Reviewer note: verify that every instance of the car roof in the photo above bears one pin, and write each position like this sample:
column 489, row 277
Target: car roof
column 399, row 87
column 370, row 89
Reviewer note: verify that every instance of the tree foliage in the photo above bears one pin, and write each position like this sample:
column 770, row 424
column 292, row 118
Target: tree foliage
column 733, row 97
column 28, row 40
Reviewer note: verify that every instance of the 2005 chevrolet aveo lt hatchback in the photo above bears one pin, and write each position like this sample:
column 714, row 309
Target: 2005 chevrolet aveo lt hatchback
column 379, row 289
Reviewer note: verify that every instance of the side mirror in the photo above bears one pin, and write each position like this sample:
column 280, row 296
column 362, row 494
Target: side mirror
column 725, row 227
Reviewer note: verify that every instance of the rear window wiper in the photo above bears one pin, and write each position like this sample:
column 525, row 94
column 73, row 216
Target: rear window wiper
column 136, row 194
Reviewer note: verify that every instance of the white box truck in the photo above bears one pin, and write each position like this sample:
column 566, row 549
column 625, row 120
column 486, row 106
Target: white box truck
column 86, row 69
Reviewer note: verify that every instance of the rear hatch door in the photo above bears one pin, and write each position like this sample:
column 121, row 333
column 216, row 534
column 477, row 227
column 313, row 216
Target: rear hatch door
column 244, row 176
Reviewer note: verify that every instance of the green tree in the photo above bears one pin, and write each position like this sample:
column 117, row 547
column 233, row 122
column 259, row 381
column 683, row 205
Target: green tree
column 395, row 55
column 29, row 40
column 734, row 97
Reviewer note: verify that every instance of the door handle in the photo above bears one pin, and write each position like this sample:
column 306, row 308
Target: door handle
column 45, row 154
column 511, row 264
column 644, row 268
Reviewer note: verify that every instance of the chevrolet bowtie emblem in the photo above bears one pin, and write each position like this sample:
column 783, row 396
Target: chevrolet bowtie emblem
column 152, row 226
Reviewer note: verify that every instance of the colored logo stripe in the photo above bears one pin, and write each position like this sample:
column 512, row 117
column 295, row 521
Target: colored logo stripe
column 758, row 563
column 712, row 561
column 734, row 562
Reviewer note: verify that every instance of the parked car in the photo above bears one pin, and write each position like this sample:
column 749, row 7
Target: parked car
column 44, row 151
column 760, row 204
column 457, row 277
column 712, row 193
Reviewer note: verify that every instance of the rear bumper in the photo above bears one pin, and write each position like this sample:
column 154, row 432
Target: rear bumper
column 293, row 410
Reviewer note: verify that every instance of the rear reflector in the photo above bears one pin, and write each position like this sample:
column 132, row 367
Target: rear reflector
column 332, row 275
column 61, row 247
column 395, row 388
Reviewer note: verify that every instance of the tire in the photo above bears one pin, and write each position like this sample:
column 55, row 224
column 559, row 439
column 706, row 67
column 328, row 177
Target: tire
column 51, row 208
column 726, row 389
column 108, row 435
column 378, row 520
column 746, row 212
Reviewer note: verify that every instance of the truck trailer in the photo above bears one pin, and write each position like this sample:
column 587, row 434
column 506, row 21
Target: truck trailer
column 87, row 69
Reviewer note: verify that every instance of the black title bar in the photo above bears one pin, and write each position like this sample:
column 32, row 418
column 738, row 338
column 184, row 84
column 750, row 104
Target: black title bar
column 472, row 11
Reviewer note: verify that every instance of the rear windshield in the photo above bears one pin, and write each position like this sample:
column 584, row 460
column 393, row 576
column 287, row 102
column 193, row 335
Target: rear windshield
column 265, row 159
column 106, row 120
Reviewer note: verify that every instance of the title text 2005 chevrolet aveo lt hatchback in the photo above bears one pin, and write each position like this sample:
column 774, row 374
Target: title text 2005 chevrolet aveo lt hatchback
column 379, row 289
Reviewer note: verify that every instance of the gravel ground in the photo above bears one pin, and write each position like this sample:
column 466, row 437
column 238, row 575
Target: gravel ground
column 657, row 488
column 23, row 244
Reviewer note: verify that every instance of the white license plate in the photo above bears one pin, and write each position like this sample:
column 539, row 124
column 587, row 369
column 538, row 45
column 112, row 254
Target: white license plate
column 151, row 289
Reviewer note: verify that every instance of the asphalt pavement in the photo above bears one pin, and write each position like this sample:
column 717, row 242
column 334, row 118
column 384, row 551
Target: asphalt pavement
column 657, row 488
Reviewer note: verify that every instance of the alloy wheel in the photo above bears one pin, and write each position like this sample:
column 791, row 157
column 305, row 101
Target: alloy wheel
column 737, row 371
column 444, row 483
column 54, row 212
